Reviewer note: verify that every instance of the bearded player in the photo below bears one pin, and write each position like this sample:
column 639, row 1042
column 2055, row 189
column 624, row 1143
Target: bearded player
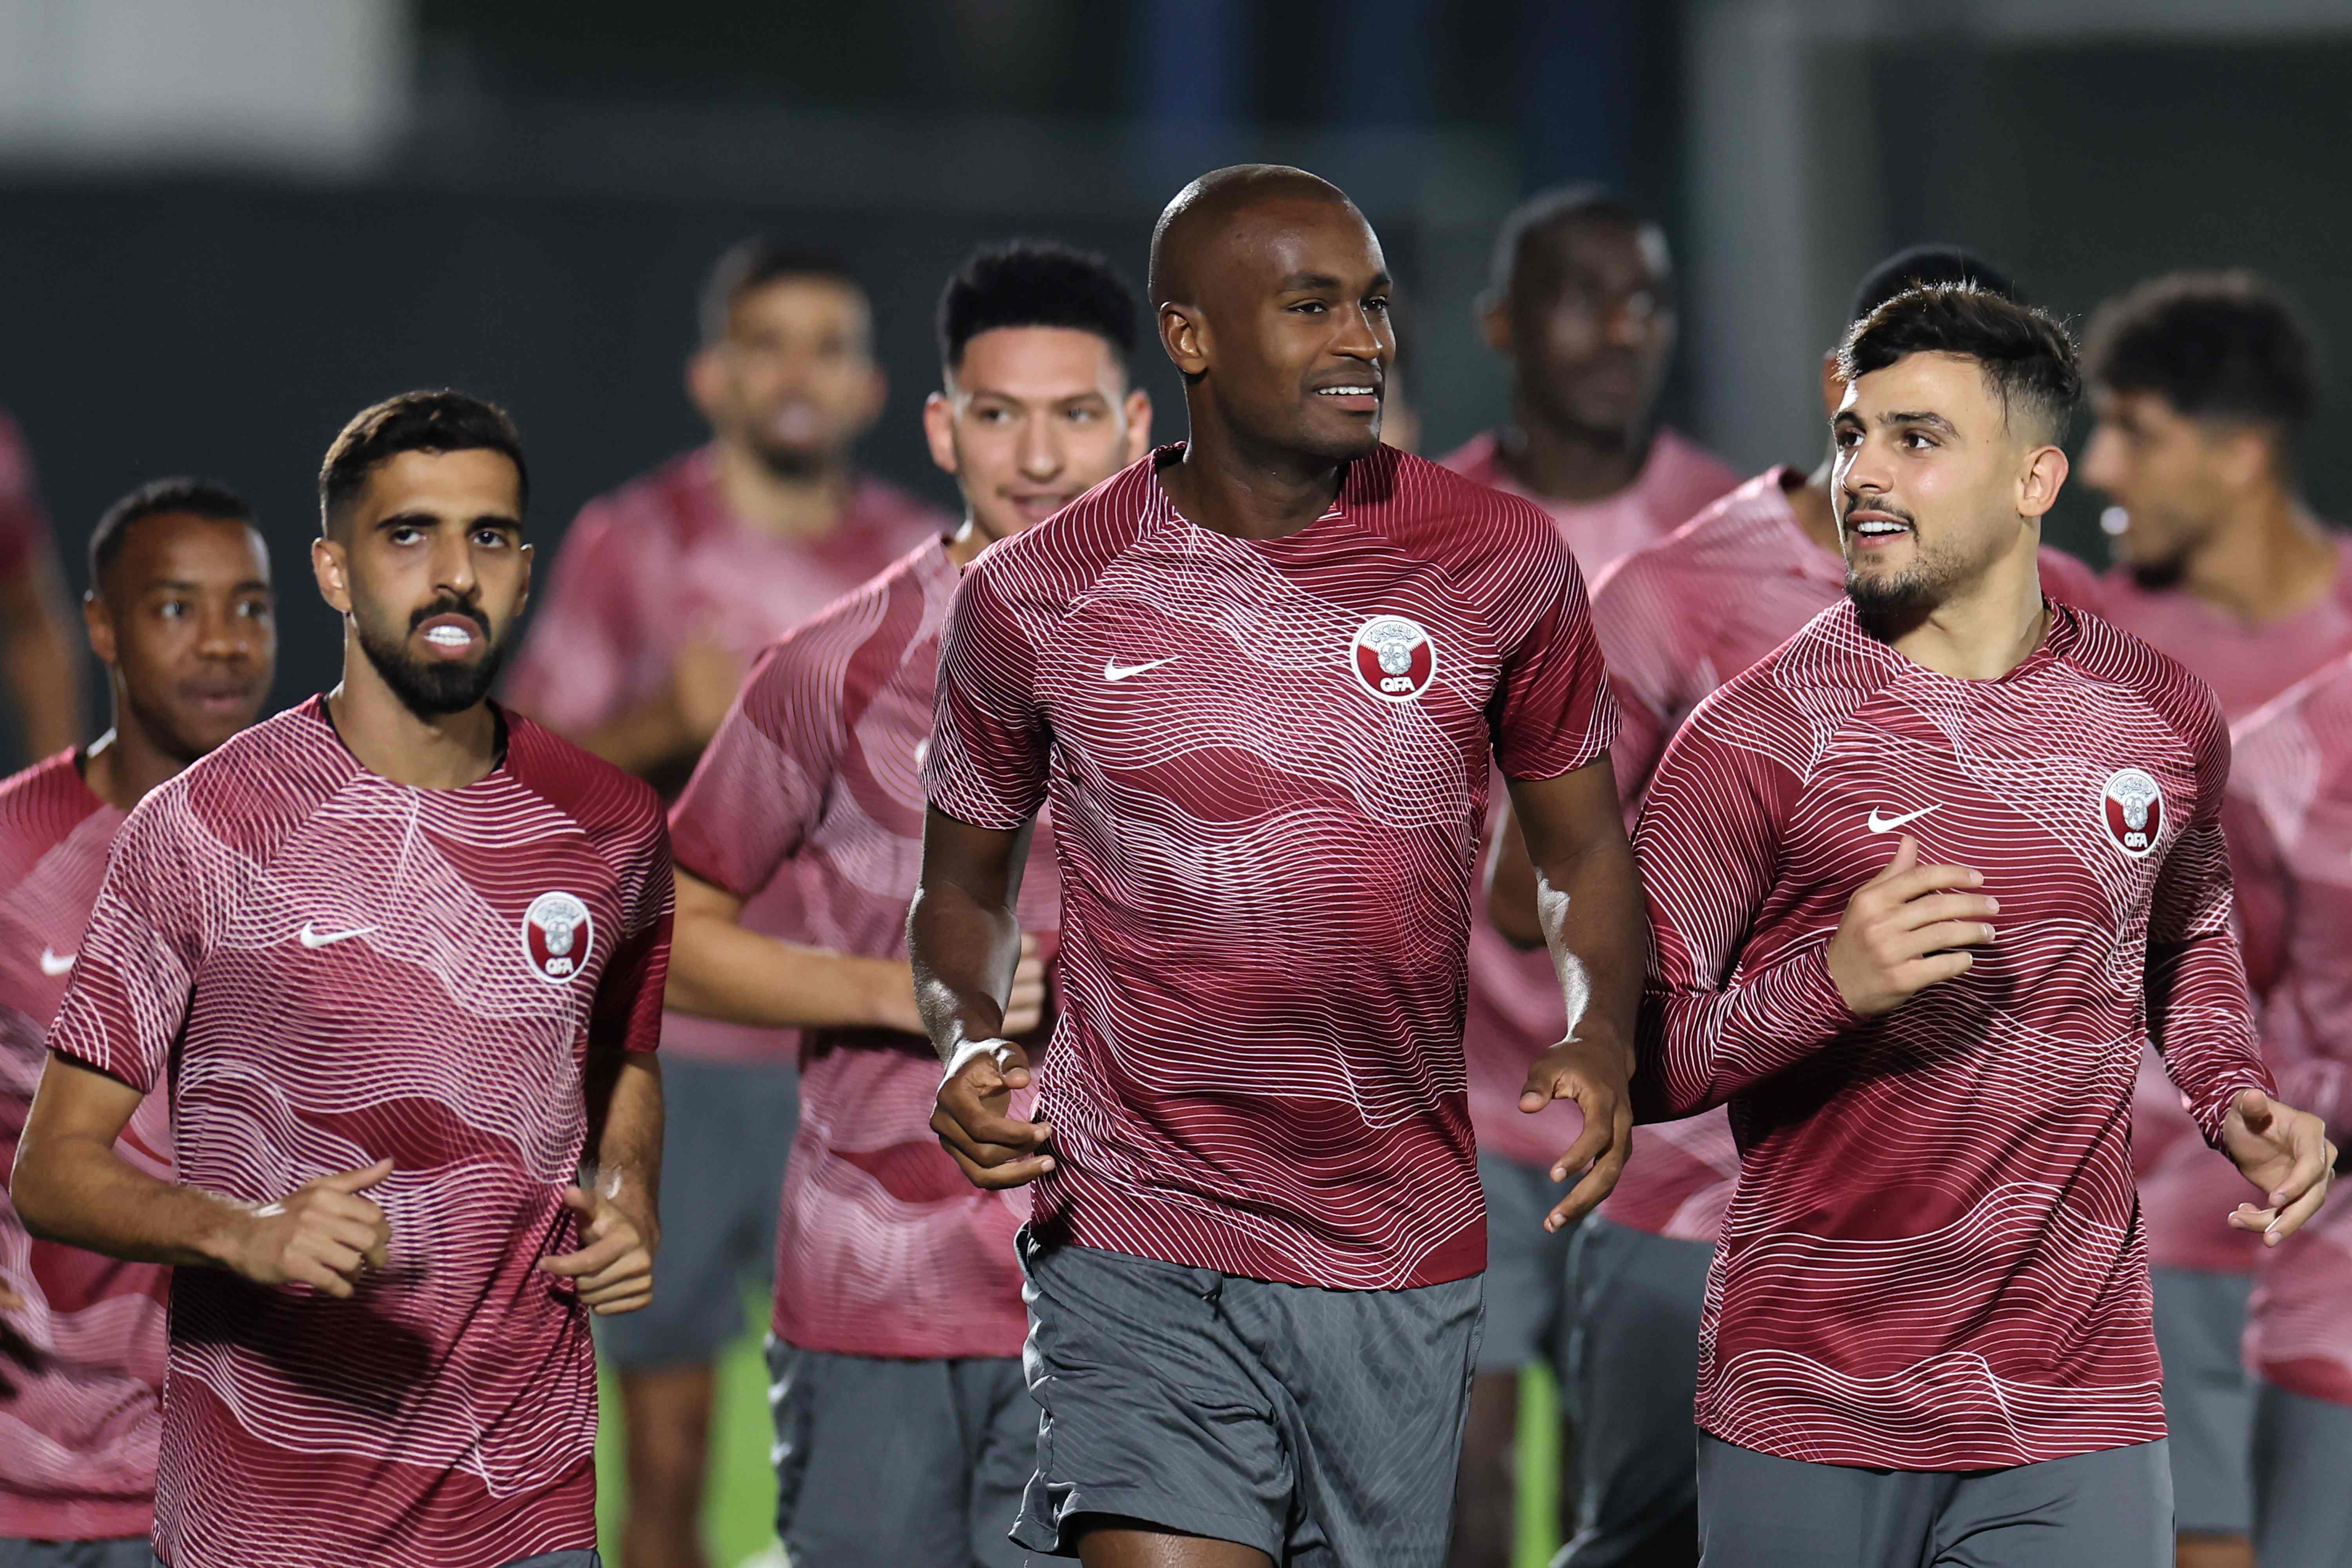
column 1262, row 676
column 2291, row 841
column 1927, row 1319
column 396, row 956
column 2202, row 384
column 179, row 612
column 905, row 1433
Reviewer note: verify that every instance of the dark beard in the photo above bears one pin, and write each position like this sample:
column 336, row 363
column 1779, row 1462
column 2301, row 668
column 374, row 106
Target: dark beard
column 1878, row 600
column 439, row 687
column 801, row 463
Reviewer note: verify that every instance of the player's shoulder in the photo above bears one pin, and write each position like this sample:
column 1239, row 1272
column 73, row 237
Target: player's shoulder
column 257, row 786
column 607, row 805
column 1061, row 556
column 2107, row 652
column 40, row 807
column 2318, row 707
column 651, row 510
column 1426, row 509
column 1731, row 533
column 1685, row 476
column 1828, row 666
column 897, row 607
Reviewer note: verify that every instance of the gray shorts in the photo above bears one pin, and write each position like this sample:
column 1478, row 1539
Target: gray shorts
column 2109, row 1509
column 2303, row 1461
column 1322, row 1427
column 726, row 1130
column 1636, row 1300
column 2209, row 1401
column 116, row 1552
column 1526, row 1267
column 882, row 1463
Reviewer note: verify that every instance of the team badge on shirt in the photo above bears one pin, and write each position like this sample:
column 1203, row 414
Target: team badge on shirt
column 1394, row 658
column 2132, row 806
column 557, row 936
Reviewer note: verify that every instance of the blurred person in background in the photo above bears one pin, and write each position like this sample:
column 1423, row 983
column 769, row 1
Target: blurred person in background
column 905, row 1432
column 1676, row 619
column 39, row 664
column 2289, row 828
column 2200, row 383
column 1580, row 306
column 663, row 594
column 179, row 613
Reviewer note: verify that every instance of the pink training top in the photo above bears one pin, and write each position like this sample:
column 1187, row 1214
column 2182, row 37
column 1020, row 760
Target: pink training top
column 1268, row 762
column 323, row 968
column 811, row 789
column 24, row 525
column 81, row 1368
column 2187, row 1193
column 661, row 562
column 2291, row 836
column 1676, row 620
column 1515, row 1012
column 1931, row 1260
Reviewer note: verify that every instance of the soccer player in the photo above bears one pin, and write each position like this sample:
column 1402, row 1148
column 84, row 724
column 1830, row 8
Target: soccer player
column 1927, row 1334
column 2201, row 383
column 1675, row 619
column 1580, row 307
column 664, row 592
column 39, row 665
column 1264, row 677
column 905, row 1432
column 179, row 613
column 395, row 956
column 2289, row 828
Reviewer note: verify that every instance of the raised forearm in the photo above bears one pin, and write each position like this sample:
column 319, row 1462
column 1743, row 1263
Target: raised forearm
column 625, row 1160
column 719, row 970
column 963, row 952
column 43, row 663
column 1587, row 897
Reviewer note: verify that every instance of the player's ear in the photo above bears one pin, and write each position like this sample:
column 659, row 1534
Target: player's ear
column 99, row 623
column 1185, row 337
column 1139, row 425
column 1833, row 386
column 938, row 429
column 1490, row 316
column 2038, row 486
column 706, row 382
column 331, row 565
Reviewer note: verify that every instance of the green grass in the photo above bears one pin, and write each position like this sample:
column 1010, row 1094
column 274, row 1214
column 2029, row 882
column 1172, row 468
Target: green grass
column 738, row 1510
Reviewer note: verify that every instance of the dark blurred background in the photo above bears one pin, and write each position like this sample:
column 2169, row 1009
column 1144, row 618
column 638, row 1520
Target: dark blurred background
column 225, row 225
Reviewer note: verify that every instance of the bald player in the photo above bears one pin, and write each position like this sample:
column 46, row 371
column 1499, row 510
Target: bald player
column 1264, row 677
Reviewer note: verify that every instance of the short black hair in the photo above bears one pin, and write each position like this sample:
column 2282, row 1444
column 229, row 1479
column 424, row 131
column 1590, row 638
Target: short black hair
column 2215, row 345
column 1924, row 264
column 756, row 262
column 1035, row 283
column 182, row 494
column 2026, row 352
column 440, row 421
column 1553, row 210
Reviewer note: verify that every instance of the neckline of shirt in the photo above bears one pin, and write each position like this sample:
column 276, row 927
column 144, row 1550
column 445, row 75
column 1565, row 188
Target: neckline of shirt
column 1165, row 512
column 314, row 708
column 2058, row 639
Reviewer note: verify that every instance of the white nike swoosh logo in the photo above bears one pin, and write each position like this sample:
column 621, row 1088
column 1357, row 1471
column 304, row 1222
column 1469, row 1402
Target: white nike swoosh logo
column 1115, row 671
column 328, row 937
column 53, row 966
column 1889, row 824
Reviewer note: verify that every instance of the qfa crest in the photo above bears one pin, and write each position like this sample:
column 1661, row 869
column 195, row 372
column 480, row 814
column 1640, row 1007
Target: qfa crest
column 557, row 937
column 1394, row 658
column 2132, row 808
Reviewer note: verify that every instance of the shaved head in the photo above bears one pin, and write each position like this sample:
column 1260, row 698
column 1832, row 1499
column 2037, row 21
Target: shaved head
column 1205, row 212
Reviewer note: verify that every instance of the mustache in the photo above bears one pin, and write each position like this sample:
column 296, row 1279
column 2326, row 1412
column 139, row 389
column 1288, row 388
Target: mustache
column 1854, row 503
column 449, row 605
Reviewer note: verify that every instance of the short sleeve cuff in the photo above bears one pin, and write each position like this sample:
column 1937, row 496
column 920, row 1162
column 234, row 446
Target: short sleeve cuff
column 1563, row 751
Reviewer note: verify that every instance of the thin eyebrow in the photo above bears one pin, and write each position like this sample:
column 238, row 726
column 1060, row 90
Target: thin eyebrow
column 1934, row 421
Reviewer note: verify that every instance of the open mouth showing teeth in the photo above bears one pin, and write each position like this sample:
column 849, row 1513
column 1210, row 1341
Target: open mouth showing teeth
column 1875, row 529
column 449, row 637
column 1345, row 391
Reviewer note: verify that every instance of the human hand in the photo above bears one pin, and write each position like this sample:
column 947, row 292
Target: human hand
column 1594, row 1073
column 2285, row 1153
column 1900, row 928
column 323, row 1234
column 614, row 1270
column 994, row 1151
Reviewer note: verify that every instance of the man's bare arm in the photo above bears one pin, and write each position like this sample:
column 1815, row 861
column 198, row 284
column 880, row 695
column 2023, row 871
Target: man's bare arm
column 964, row 942
column 40, row 657
column 71, row 1187
column 1511, row 887
column 1588, row 899
column 618, row 1199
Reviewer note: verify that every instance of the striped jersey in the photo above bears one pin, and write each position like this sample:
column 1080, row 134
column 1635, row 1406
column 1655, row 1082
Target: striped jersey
column 1268, row 762
column 1932, row 1260
column 808, row 805
column 1676, row 620
column 81, row 1366
column 323, row 968
column 661, row 563
column 2181, row 1184
column 1515, row 1013
column 2290, row 826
